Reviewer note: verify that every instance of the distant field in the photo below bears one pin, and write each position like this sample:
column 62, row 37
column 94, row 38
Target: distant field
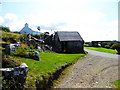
column 49, row 63
column 102, row 49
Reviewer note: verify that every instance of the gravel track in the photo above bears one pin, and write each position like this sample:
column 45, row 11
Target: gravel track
column 95, row 70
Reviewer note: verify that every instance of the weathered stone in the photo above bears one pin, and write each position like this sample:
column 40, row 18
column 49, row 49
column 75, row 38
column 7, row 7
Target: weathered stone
column 17, row 44
column 22, row 69
column 39, row 48
column 18, row 74
column 10, row 49
column 36, row 55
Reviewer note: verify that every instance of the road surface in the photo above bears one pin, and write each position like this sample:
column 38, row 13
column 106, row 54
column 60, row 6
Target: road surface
column 95, row 70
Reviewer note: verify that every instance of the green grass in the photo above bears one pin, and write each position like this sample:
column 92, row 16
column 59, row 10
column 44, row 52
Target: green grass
column 117, row 84
column 48, row 64
column 102, row 49
column 7, row 35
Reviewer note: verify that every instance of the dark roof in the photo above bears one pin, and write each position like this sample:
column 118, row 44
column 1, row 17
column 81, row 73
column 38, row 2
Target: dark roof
column 69, row 36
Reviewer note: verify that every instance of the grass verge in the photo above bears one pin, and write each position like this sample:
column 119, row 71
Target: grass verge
column 42, row 72
column 117, row 84
column 101, row 49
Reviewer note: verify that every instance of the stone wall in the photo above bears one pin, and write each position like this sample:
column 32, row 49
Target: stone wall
column 14, row 77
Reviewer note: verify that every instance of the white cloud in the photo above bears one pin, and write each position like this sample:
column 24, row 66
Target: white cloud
column 86, row 23
column 10, row 20
column 59, row 0
column 72, row 13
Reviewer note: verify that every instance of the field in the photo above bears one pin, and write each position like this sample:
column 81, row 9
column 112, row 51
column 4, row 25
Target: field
column 102, row 49
column 49, row 63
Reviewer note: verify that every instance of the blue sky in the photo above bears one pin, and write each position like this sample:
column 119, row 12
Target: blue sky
column 93, row 19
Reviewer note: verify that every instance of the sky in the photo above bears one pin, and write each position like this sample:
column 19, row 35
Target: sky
column 93, row 19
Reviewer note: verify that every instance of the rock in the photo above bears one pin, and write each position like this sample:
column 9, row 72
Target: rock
column 39, row 48
column 16, row 71
column 17, row 44
column 36, row 55
column 23, row 65
column 16, row 74
column 10, row 49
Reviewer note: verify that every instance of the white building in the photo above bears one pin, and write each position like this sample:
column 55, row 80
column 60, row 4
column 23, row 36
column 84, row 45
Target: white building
column 27, row 30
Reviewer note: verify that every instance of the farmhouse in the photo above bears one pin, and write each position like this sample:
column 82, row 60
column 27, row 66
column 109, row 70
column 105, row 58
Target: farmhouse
column 27, row 30
column 68, row 42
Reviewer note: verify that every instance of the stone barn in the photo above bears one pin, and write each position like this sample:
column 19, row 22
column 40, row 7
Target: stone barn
column 68, row 42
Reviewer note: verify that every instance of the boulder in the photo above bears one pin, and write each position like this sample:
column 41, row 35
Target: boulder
column 10, row 49
column 36, row 55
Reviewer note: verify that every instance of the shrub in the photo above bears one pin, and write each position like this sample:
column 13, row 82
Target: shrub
column 23, row 45
column 107, row 46
column 104, row 44
column 24, row 52
column 5, row 29
column 117, row 84
column 117, row 47
column 20, row 52
column 23, row 38
column 10, row 37
column 8, row 61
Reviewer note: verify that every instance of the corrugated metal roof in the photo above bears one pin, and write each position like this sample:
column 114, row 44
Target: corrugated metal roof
column 69, row 36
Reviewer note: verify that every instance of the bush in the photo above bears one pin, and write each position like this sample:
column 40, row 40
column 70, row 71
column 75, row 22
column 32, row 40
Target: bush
column 23, row 45
column 5, row 29
column 117, row 47
column 20, row 52
column 117, row 84
column 8, row 61
column 23, row 38
column 10, row 37
column 25, row 52
column 107, row 46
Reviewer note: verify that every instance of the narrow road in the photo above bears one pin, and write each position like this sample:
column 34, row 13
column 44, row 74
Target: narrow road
column 95, row 70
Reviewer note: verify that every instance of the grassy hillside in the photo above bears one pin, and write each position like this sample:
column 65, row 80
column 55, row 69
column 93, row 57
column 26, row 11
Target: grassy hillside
column 41, row 73
column 49, row 64
column 10, row 37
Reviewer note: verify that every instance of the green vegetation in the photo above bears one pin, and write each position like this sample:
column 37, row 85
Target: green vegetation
column 117, row 47
column 8, row 61
column 41, row 73
column 5, row 29
column 117, row 84
column 49, row 64
column 108, row 44
column 10, row 37
column 102, row 49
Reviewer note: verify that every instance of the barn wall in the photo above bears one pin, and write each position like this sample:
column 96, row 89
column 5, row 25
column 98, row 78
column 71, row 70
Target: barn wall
column 74, row 47
column 67, row 46
column 58, row 45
